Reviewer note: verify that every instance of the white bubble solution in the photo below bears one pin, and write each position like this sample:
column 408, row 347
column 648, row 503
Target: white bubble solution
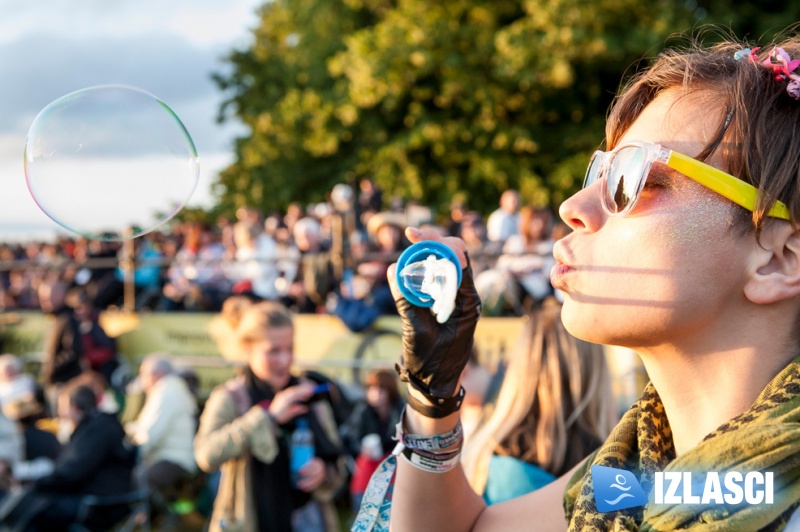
column 438, row 279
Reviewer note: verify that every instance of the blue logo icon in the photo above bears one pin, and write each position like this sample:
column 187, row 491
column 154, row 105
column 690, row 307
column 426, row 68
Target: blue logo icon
column 616, row 489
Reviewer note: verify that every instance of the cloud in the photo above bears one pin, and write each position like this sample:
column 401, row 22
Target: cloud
column 199, row 21
column 167, row 66
column 170, row 49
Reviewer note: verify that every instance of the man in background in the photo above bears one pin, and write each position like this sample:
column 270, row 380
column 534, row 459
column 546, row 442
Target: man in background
column 165, row 428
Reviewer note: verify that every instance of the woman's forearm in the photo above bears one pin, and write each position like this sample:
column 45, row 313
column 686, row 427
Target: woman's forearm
column 432, row 501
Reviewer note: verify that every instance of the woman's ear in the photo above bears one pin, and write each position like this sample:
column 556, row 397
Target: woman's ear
column 774, row 272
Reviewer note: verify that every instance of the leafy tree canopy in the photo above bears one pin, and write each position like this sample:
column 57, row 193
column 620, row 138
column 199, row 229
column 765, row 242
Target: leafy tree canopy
column 441, row 99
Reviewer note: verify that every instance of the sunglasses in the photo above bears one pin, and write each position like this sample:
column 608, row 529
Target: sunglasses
column 624, row 170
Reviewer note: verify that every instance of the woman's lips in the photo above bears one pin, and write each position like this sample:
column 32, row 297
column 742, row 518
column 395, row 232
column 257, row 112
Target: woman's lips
column 558, row 275
column 562, row 268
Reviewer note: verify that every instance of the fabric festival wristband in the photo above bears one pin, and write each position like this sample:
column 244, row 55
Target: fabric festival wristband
column 429, row 464
column 438, row 442
column 442, row 455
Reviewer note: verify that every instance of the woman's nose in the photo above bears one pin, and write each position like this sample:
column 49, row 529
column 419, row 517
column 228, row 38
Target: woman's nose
column 584, row 209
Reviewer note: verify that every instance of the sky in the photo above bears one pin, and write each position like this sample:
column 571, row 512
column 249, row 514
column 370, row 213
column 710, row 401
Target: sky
column 49, row 48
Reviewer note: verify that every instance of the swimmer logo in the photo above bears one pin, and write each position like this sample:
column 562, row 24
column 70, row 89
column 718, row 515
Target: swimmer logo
column 616, row 489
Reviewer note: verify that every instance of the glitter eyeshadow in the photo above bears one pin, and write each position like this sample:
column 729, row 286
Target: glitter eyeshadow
column 701, row 209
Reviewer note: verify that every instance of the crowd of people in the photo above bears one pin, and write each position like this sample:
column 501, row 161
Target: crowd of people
column 147, row 439
column 313, row 259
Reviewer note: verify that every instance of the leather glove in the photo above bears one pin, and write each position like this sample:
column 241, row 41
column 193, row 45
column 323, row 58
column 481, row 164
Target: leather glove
column 434, row 354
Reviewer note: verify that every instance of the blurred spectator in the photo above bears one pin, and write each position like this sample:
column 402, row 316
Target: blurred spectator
column 248, row 215
column 41, row 448
column 196, row 280
column 256, row 259
column 98, row 350
column 108, row 401
column 247, row 423
column 528, row 256
column 457, row 211
column 482, row 252
column 101, row 285
column 502, row 223
column 309, row 292
column 370, row 430
column 294, row 211
column 323, row 214
column 165, row 428
column 96, row 461
column 13, row 382
column 370, row 201
column 63, row 351
column 366, row 297
column 386, row 229
column 288, row 259
column 22, row 290
column 225, row 230
column 148, row 272
column 555, row 407
column 11, row 452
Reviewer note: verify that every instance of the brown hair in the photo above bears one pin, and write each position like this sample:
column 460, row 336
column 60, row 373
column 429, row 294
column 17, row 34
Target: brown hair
column 757, row 133
column 526, row 216
column 96, row 381
column 242, row 321
column 386, row 380
column 260, row 317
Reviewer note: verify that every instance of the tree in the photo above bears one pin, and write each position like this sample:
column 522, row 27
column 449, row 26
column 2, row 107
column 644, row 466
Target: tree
column 434, row 99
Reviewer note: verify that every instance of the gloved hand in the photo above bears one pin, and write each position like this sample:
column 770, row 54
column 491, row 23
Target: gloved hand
column 434, row 354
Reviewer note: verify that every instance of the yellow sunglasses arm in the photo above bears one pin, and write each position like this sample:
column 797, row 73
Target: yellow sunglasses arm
column 724, row 184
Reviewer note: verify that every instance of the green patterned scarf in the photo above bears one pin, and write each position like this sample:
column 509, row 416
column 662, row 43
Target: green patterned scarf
column 764, row 438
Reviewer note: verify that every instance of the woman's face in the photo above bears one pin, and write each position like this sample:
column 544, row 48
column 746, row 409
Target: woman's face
column 271, row 357
column 670, row 270
column 377, row 396
column 388, row 237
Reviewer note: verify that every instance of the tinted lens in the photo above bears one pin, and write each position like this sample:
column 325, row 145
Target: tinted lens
column 622, row 182
column 593, row 171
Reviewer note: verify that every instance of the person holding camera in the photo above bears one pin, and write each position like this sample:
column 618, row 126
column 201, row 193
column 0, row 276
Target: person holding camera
column 247, row 425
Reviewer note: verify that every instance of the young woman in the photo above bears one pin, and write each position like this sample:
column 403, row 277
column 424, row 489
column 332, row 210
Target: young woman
column 246, row 426
column 684, row 247
column 370, row 428
column 555, row 407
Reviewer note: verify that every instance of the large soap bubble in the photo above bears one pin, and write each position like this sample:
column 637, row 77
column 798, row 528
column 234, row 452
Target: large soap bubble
column 110, row 162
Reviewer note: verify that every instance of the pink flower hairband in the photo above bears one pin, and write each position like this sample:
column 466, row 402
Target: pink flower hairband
column 781, row 65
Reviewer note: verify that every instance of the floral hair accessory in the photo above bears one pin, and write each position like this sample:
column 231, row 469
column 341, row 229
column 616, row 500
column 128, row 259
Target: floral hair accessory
column 745, row 52
column 780, row 63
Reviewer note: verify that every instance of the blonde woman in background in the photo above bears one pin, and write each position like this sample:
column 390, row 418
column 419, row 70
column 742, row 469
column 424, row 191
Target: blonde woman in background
column 247, row 424
column 555, row 407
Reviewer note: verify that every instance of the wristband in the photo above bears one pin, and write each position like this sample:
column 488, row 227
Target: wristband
column 438, row 442
column 431, row 464
column 428, row 453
